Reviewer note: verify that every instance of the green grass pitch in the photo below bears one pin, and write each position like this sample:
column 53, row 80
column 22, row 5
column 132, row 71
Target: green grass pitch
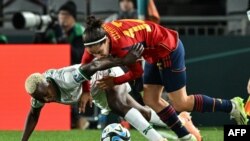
column 209, row 134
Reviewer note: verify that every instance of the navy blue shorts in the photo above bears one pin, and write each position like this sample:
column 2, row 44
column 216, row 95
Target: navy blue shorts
column 173, row 75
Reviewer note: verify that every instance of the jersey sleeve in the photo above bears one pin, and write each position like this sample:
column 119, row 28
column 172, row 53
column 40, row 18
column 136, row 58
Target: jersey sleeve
column 35, row 103
column 135, row 71
column 86, row 57
column 86, row 86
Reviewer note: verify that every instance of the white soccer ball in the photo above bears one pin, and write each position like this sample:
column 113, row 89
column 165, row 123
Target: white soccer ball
column 115, row 132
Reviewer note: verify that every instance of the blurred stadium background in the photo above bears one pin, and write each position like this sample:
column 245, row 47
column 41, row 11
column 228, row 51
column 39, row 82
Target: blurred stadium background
column 216, row 38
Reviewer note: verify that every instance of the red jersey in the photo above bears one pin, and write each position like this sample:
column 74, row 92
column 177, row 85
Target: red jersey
column 158, row 42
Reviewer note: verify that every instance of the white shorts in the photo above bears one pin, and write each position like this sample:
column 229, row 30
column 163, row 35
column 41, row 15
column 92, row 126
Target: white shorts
column 99, row 96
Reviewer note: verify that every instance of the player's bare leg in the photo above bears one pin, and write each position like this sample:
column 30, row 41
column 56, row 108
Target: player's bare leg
column 152, row 98
column 181, row 101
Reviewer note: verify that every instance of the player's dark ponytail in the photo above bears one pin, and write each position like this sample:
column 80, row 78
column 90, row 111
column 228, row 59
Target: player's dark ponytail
column 93, row 31
column 92, row 22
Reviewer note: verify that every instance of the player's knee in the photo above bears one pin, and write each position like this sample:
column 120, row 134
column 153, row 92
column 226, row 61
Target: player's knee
column 182, row 104
column 155, row 104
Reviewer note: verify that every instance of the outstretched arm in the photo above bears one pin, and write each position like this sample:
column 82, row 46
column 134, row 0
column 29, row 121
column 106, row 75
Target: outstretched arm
column 108, row 62
column 31, row 122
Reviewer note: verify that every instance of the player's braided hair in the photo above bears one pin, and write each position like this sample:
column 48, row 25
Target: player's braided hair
column 94, row 30
column 32, row 81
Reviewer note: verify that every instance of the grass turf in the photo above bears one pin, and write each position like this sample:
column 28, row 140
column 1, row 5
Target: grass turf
column 209, row 134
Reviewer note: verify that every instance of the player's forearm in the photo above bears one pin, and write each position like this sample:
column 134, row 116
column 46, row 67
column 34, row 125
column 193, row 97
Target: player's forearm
column 30, row 125
column 101, row 64
column 87, row 70
column 107, row 62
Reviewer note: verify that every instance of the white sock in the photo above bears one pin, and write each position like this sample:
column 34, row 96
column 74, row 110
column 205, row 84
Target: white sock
column 135, row 118
column 155, row 119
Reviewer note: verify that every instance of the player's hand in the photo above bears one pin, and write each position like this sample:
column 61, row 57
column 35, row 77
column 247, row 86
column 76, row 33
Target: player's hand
column 134, row 53
column 105, row 83
column 84, row 99
column 248, row 87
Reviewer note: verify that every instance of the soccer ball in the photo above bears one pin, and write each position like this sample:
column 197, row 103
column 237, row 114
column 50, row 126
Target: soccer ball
column 115, row 132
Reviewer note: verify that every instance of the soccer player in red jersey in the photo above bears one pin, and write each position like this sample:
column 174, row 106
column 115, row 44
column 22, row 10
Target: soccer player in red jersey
column 164, row 68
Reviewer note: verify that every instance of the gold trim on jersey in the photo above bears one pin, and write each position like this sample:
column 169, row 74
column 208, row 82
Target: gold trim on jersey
column 112, row 32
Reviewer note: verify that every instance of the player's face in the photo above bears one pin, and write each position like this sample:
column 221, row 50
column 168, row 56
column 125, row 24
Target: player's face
column 65, row 19
column 100, row 50
column 45, row 93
